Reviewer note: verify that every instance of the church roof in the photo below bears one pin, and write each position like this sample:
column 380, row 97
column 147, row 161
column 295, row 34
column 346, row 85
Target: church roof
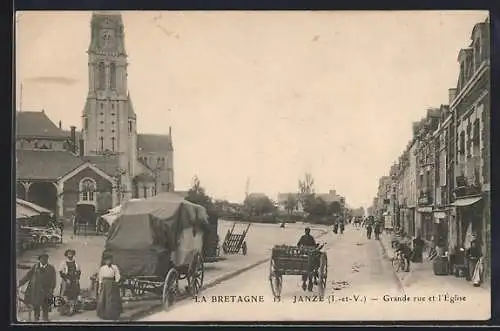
column 154, row 143
column 46, row 164
column 36, row 124
column 107, row 163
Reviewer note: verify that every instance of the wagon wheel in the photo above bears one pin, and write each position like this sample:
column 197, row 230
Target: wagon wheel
column 170, row 288
column 244, row 248
column 322, row 274
column 275, row 279
column 195, row 275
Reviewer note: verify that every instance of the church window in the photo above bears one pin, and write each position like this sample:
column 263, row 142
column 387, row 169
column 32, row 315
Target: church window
column 112, row 76
column 101, row 76
column 113, row 144
column 101, row 142
column 87, row 190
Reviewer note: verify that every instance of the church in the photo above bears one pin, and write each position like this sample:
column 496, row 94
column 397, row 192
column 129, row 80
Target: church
column 106, row 162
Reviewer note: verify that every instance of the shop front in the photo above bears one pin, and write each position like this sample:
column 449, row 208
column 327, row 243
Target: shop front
column 469, row 218
column 425, row 222
column 440, row 229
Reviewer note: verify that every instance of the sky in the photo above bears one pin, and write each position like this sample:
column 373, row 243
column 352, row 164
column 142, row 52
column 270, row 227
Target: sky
column 260, row 96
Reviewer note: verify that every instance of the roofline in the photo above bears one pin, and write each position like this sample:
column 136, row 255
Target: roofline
column 82, row 166
column 42, row 137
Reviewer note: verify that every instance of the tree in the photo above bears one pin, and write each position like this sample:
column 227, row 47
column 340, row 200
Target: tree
column 197, row 194
column 306, row 192
column 291, row 203
column 335, row 208
column 259, row 204
column 318, row 207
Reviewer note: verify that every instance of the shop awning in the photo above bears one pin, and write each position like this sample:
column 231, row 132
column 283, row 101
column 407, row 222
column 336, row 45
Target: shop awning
column 25, row 212
column 465, row 202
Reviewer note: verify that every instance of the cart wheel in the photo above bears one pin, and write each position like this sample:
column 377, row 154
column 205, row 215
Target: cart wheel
column 244, row 248
column 170, row 288
column 322, row 274
column 195, row 275
column 275, row 280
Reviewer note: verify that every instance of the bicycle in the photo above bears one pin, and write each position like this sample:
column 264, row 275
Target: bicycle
column 399, row 262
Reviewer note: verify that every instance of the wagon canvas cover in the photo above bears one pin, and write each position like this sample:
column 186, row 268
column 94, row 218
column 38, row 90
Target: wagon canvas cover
column 148, row 232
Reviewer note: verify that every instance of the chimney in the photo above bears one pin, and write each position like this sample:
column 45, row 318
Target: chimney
column 452, row 93
column 60, row 125
column 81, row 148
column 73, row 138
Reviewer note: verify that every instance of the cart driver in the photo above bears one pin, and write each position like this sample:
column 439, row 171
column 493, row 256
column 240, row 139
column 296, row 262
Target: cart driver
column 307, row 240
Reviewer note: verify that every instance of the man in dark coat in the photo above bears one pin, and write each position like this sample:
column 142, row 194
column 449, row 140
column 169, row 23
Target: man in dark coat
column 307, row 241
column 41, row 281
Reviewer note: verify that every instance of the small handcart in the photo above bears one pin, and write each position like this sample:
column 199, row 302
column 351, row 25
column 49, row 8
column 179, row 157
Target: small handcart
column 297, row 261
column 235, row 242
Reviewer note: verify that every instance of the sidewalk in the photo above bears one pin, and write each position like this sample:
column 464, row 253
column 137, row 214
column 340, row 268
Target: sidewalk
column 421, row 277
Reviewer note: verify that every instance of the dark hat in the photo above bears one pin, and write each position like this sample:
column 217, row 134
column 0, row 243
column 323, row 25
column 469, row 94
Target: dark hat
column 66, row 253
column 43, row 254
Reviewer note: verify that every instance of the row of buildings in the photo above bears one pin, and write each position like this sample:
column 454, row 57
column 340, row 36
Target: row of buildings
column 440, row 186
column 104, row 162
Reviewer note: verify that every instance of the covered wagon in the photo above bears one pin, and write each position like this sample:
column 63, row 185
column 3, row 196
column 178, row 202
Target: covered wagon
column 156, row 242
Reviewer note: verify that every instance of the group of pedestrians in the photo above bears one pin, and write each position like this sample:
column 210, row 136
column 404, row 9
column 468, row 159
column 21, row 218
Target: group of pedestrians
column 372, row 226
column 41, row 282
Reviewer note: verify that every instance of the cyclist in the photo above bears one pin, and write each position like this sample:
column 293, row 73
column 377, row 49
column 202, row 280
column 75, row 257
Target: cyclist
column 405, row 251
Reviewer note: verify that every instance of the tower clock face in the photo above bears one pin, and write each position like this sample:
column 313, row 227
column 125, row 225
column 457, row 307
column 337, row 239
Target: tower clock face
column 107, row 39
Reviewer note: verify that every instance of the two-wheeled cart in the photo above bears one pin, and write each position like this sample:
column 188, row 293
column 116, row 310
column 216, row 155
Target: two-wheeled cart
column 157, row 242
column 235, row 242
column 297, row 261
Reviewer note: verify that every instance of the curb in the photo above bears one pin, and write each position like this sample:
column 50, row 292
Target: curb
column 399, row 281
column 222, row 278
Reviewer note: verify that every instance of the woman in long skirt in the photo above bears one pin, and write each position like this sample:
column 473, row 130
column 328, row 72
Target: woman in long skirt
column 109, row 304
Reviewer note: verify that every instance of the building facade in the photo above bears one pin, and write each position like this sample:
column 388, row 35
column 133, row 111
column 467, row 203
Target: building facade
column 117, row 163
column 471, row 111
column 444, row 173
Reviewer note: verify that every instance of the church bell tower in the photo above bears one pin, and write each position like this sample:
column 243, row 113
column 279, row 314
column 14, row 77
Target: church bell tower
column 108, row 119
